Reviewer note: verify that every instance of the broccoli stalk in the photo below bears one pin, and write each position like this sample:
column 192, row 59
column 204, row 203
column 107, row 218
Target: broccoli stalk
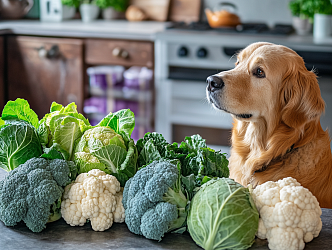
column 55, row 211
column 176, row 197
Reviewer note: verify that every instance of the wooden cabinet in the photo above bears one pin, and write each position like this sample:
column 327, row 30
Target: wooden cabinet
column 2, row 85
column 119, row 52
column 42, row 70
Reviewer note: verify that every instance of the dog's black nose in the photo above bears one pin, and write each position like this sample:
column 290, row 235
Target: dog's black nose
column 214, row 83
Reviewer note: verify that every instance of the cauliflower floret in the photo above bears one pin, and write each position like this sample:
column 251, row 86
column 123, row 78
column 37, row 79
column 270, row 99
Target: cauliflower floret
column 289, row 214
column 119, row 213
column 95, row 196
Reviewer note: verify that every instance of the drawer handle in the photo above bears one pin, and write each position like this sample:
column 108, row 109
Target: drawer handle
column 52, row 53
column 121, row 53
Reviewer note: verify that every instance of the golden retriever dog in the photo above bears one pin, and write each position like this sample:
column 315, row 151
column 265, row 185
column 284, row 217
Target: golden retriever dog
column 276, row 105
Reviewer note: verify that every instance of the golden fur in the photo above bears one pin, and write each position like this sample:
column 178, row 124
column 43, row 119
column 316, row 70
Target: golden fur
column 284, row 136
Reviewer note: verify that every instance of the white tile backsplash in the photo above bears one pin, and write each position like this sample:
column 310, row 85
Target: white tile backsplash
column 267, row 11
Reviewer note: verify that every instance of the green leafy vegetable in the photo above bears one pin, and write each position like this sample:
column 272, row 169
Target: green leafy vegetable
column 223, row 216
column 122, row 122
column 19, row 142
column 108, row 147
column 62, row 126
column 199, row 163
column 19, row 110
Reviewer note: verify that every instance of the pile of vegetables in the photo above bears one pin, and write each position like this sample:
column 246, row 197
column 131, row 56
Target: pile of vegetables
column 48, row 160
column 61, row 166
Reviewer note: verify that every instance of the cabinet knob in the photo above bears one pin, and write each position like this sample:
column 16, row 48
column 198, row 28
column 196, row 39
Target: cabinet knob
column 124, row 54
column 118, row 52
column 53, row 52
column 42, row 52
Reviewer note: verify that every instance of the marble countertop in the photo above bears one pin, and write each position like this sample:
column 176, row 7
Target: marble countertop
column 59, row 235
column 147, row 31
column 117, row 29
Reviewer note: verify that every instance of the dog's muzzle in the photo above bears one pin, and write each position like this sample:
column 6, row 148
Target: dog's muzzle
column 214, row 83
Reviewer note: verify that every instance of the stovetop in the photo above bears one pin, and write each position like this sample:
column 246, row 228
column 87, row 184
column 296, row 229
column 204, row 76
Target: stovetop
column 245, row 28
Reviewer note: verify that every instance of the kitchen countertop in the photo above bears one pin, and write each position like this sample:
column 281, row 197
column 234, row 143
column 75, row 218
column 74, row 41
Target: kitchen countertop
column 145, row 30
column 117, row 29
column 59, row 235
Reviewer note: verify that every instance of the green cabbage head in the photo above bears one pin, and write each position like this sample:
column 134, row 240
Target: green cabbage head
column 102, row 148
column 223, row 216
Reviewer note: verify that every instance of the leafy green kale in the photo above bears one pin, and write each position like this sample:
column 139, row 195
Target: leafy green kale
column 199, row 164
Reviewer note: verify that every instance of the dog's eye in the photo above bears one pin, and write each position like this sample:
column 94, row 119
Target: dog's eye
column 259, row 73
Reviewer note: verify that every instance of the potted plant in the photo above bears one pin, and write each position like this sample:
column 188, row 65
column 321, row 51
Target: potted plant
column 89, row 10
column 322, row 18
column 302, row 16
column 112, row 9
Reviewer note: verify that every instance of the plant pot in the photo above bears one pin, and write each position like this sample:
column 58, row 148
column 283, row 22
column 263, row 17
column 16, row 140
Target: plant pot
column 68, row 12
column 89, row 12
column 302, row 26
column 322, row 26
column 110, row 13
column 55, row 11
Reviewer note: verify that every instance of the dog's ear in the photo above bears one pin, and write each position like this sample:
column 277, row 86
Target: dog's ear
column 300, row 97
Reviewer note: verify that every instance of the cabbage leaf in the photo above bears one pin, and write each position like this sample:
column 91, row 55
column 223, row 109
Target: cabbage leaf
column 20, row 110
column 63, row 126
column 19, row 142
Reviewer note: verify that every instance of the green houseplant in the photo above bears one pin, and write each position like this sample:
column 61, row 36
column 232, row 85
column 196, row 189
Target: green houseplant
column 322, row 19
column 112, row 9
column 88, row 9
column 303, row 15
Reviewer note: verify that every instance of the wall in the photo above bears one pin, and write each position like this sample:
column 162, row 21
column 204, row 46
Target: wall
column 267, row 11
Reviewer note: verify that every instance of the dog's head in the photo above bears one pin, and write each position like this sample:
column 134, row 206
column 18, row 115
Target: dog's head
column 269, row 82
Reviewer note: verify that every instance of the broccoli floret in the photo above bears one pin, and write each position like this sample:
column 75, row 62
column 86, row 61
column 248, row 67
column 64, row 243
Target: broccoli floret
column 153, row 200
column 31, row 191
column 156, row 221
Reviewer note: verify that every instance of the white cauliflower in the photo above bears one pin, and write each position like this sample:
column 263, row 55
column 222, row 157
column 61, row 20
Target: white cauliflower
column 289, row 214
column 96, row 196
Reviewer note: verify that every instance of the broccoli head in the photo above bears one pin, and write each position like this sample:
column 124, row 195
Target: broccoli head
column 153, row 200
column 32, row 192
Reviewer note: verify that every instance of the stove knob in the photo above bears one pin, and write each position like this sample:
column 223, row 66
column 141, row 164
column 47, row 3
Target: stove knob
column 183, row 52
column 202, row 53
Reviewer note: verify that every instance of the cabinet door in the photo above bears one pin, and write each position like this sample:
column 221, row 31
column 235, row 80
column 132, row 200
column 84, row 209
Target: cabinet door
column 42, row 70
column 2, row 87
